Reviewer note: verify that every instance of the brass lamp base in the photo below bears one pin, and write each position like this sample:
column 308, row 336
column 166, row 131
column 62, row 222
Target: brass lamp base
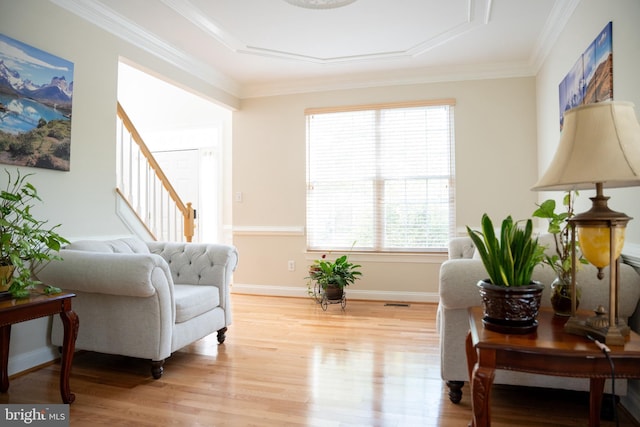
column 598, row 328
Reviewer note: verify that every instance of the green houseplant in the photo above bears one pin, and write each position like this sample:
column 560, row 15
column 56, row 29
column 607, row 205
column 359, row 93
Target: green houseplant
column 510, row 298
column 560, row 259
column 26, row 243
column 327, row 279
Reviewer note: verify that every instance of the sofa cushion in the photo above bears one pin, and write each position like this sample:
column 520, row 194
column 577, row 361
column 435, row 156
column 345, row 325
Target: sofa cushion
column 193, row 300
column 128, row 245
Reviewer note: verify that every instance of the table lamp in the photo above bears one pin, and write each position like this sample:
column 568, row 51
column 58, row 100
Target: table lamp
column 599, row 147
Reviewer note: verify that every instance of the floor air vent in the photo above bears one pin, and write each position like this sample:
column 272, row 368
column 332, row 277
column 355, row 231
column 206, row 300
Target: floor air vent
column 396, row 304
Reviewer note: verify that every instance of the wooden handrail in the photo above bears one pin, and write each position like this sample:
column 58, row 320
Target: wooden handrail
column 187, row 211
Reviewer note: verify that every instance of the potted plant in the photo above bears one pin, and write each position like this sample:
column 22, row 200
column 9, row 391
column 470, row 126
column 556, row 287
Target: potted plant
column 510, row 298
column 331, row 277
column 25, row 242
column 560, row 259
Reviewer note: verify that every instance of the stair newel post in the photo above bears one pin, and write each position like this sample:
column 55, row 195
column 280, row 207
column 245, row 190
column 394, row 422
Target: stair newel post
column 189, row 222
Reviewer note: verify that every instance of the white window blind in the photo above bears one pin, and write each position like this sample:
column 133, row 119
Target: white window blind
column 381, row 178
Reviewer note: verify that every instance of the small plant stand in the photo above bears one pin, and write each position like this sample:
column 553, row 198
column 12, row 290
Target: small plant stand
column 323, row 299
column 326, row 301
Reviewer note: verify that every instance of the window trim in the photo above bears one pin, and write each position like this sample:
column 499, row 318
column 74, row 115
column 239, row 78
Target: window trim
column 384, row 106
column 449, row 102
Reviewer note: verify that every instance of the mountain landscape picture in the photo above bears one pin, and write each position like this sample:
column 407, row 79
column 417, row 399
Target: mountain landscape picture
column 591, row 78
column 36, row 94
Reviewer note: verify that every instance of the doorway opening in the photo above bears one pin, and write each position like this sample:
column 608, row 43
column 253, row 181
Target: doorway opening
column 188, row 136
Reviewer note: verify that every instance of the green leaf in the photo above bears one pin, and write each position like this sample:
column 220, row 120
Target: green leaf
column 510, row 260
column 546, row 209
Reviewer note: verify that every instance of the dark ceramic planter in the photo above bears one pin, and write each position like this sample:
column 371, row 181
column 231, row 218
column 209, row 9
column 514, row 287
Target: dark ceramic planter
column 334, row 293
column 510, row 310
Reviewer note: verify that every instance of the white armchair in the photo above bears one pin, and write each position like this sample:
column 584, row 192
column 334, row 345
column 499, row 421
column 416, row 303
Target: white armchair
column 458, row 278
column 144, row 299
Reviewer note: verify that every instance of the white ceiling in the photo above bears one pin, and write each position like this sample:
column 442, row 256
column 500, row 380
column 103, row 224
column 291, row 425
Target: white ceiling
column 264, row 47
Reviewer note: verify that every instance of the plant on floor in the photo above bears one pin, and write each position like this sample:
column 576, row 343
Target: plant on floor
column 510, row 259
column 339, row 273
column 26, row 243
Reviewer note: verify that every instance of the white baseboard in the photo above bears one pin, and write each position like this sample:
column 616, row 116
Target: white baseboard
column 28, row 360
column 363, row 294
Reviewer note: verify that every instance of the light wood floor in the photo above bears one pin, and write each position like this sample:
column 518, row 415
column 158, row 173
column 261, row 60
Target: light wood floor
column 288, row 363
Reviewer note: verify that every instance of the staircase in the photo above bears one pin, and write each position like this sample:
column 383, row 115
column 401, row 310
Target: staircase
column 145, row 189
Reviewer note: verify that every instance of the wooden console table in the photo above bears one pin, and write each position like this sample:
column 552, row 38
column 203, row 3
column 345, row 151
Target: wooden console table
column 19, row 310
column 549, row 351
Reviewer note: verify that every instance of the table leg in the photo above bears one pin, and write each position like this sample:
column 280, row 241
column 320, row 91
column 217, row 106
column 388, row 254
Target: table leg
column 5, row 335
column 481, row 379
column 472, row 355
column 596, row 389
column 70, row 323
column 480, row 396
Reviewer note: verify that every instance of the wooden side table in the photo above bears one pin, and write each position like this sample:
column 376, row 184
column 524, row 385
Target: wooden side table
column 550, row 351
column 19, row 310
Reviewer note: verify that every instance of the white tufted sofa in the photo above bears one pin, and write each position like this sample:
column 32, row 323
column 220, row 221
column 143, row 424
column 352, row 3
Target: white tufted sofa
column 458, row 291
column 144, row 299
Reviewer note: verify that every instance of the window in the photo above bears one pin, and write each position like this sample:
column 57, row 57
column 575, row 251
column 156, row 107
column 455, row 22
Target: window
column 381, row 178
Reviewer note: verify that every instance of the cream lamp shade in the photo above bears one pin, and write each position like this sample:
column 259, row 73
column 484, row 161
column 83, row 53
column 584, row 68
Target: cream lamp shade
column 599, row 143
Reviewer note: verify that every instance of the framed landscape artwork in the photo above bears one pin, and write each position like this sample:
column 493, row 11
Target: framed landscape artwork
column 591, row 78
column 36, row 93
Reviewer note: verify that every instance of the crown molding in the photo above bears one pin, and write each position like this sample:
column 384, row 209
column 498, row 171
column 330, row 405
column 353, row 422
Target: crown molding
column 478, row 14
column 112, row 22
column 383, row 79
column 557, row 20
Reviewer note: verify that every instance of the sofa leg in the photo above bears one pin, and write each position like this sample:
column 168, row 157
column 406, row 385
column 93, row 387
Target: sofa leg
column 455, row 390
column 221, row 334
column 156, row 368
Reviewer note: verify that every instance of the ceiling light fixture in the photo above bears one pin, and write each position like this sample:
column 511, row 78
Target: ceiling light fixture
column 320, row 4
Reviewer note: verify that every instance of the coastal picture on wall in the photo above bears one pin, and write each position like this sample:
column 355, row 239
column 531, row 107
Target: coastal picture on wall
column 591, row 78
column 36, row 93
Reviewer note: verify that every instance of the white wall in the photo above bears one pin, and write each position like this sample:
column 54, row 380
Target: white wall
column 495, row 137
column 83, row 199
column 589, row 18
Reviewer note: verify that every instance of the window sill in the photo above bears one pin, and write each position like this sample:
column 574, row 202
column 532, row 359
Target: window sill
column 384, row 257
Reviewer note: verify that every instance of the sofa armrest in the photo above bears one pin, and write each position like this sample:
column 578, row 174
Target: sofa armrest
column 135, row 275
column 458, row 282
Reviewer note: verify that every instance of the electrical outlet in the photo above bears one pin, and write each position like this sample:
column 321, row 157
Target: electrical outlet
column 291, row 265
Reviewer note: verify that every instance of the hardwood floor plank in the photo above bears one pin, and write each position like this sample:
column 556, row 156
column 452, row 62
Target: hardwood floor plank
column 286, row 362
